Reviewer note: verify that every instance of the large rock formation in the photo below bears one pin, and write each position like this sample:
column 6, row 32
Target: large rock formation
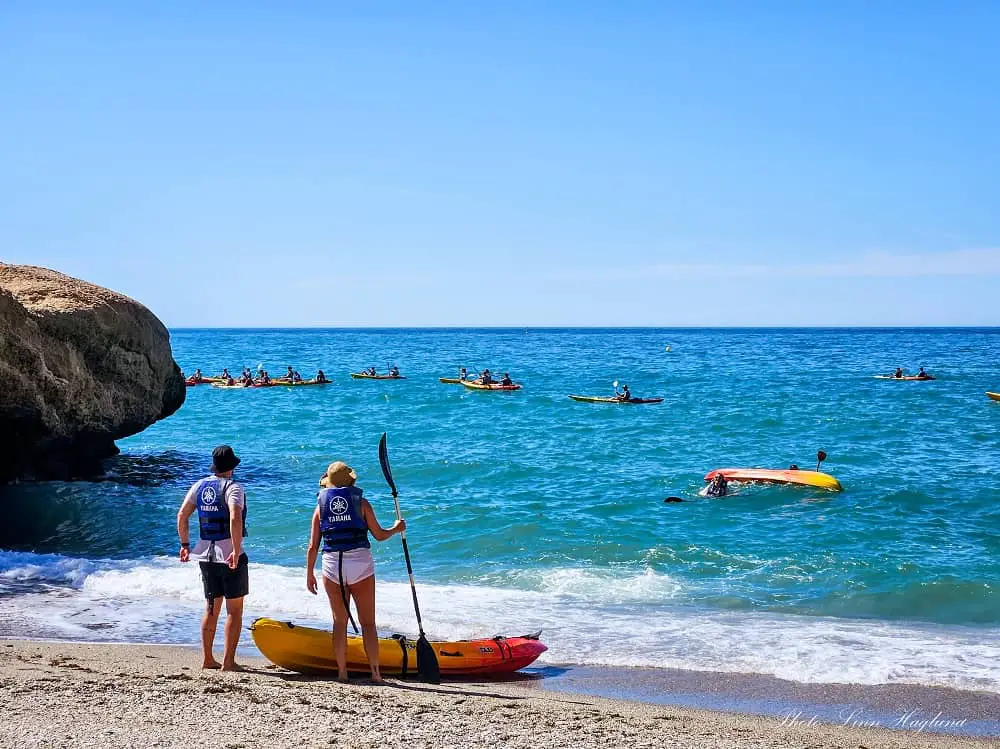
column 80, row 367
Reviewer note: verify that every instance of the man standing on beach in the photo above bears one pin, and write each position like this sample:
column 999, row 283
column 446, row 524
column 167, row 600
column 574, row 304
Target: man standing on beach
column 221, row 506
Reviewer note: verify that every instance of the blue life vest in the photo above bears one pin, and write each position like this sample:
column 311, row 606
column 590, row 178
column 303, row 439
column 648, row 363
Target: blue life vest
column 213, row 510
column 340, row 519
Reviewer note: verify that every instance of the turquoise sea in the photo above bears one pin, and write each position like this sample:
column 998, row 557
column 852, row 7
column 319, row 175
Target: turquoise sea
column 529, row 511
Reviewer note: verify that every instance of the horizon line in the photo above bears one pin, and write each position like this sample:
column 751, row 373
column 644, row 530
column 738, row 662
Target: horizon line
column 588, row 327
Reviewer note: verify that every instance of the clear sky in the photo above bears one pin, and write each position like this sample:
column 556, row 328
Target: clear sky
column 617, row 163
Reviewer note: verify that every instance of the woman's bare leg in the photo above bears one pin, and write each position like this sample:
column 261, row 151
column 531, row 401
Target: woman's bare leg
column 363, row 593
column 339, row 626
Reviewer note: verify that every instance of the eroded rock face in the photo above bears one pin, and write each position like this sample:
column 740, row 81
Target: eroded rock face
column 80, row 366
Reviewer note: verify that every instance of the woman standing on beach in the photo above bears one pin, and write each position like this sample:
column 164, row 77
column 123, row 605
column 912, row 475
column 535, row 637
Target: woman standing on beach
column 343, row 519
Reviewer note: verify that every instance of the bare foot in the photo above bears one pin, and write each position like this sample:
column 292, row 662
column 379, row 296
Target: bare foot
column 232, row 667
column 212, row 664
column 377, row 679
column 342, row 678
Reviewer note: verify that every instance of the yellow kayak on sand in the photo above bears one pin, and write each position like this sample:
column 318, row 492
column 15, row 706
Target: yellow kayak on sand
column 308, row 650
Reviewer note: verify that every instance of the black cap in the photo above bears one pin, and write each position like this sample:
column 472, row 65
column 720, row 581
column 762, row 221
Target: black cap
column 223, row 459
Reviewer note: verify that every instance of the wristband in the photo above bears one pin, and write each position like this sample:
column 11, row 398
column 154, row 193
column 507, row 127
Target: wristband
column 185, row 545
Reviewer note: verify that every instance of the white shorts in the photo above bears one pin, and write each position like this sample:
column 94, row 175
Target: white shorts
column 358, row 565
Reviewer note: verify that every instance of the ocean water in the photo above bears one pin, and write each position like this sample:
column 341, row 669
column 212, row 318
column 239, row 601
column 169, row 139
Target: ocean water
column 529, row 511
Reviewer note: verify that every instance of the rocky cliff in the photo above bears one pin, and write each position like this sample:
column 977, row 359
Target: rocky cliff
column 80, row 366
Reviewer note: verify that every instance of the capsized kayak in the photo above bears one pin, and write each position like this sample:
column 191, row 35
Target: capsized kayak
column 769, row 476
column 993, row 396
column 495, row 386
column 309, row 650
column 362, row 376
column 599, row 399
column 905, row 378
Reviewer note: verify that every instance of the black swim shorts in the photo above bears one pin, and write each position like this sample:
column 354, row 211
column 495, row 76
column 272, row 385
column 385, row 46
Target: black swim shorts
column 222, row 582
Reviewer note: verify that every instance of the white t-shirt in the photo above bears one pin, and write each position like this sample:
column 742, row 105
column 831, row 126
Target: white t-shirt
column 217, row 551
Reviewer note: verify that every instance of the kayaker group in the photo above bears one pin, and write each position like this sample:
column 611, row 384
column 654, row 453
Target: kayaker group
column 486, row 378
column 899, row 374
column 248, row 378
column 340, row 526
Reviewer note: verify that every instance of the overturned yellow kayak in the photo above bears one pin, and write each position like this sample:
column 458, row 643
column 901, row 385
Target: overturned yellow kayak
column 309, row 650
column 770, row 476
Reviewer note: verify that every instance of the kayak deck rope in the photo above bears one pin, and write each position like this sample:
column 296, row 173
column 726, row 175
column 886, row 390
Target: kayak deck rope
column 401, row 639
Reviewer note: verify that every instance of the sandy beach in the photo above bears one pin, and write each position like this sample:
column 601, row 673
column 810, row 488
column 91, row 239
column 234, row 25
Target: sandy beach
column 57, row 694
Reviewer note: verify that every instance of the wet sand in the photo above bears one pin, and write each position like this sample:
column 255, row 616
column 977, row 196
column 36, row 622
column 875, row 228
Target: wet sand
column 75, row 695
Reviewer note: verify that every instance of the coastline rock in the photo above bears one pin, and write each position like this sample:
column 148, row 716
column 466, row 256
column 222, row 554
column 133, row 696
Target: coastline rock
column 80, row 366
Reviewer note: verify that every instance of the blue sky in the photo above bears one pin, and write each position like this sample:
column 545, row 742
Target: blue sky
column 719, row 163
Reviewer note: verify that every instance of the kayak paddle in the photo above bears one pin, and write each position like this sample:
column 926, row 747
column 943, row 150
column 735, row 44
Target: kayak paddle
column 427, row 663
column 820, row 457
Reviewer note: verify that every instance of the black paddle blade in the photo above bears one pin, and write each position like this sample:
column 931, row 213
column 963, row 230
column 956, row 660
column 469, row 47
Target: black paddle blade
column 820, row 456
column 427, row 662
column 383, row 459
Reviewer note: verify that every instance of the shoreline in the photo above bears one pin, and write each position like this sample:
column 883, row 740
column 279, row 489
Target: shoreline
column 82, row 694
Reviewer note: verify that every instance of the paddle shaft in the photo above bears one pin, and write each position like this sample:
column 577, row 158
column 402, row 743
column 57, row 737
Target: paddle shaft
column 409, row 567
column 383, row 459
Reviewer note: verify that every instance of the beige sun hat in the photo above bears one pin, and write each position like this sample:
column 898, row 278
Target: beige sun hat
column 338, row 474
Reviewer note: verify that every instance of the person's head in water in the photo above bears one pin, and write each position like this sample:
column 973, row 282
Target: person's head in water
column 793, row 467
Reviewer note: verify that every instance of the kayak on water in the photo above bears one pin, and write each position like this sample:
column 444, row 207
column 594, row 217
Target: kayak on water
column 309, row 650
column 300, row 383
column 450, row 380
column 993, row 396
column 272, row 384
column 770, row 476
column 191, row 381
column 905, row 378
column 599, row 399
column 472, row 385
column 363, row 376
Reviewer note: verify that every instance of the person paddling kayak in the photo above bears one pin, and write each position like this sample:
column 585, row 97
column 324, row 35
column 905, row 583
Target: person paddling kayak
column 506, row 381
column 343, row 518
column 624, row 395
column 898, row 374
column 320, row 376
